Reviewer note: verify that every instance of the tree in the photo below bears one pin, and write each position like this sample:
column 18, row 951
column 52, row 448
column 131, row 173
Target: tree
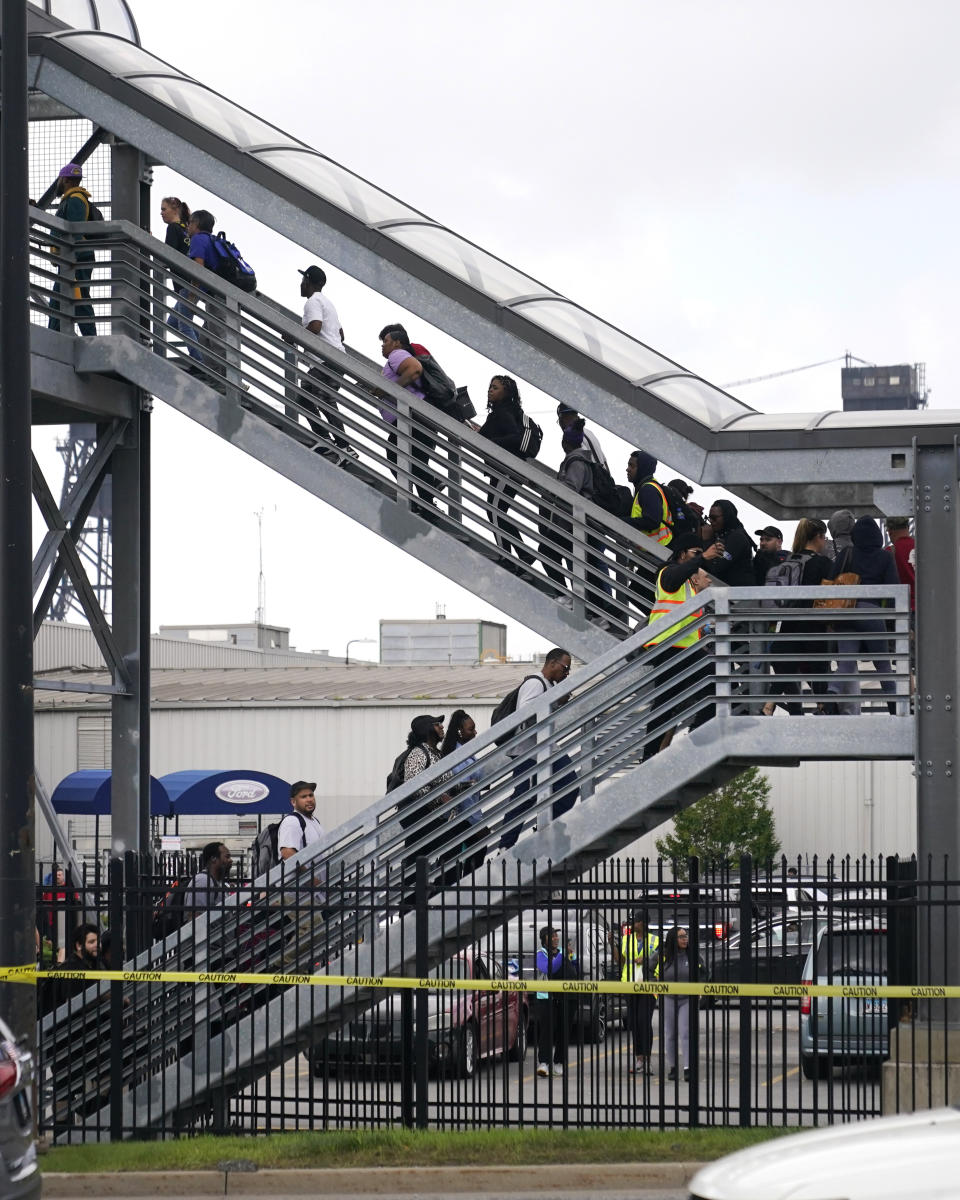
column 734, row 820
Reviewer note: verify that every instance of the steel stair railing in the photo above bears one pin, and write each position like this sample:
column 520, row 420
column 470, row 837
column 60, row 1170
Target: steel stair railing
column 257, row 363
column 595, row 727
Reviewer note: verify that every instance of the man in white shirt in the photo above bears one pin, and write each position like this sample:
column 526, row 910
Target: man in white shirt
column 300, row 828
column 556, row 668
column 320, row 318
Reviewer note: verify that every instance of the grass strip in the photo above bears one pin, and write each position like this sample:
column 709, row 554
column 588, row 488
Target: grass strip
column 410, row 1148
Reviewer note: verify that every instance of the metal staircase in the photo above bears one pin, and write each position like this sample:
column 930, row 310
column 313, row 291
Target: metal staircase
column 343, row 906
column 428, row 484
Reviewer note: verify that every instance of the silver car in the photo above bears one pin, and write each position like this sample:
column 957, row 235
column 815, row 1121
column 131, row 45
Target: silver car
column 19, row 1174
column 851, row 1029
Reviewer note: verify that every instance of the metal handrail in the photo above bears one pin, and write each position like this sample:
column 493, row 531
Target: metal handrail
column 565, row 546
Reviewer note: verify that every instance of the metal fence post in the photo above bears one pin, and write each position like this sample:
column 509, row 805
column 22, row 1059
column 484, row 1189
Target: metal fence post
column 746, row 1003
column 421, row 1048
column 117, row 946
column 693, row 934
column 406, row 1058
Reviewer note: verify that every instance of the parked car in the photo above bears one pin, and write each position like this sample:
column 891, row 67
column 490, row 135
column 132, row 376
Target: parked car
column 463, row 1027
column 886, row 1158
column 839, row 1030
column 19, row 1173
column 584, row 936
column 778, row 952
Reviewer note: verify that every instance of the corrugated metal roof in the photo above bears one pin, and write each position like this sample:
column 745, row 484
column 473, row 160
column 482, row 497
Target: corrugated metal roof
column 60, row 645
column 314, row 684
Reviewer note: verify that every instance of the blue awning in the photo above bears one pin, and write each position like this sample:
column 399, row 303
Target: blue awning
column 87, row 793
column 215, row 793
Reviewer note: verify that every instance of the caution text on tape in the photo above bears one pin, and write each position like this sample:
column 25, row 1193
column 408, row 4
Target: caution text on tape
column 788, row 991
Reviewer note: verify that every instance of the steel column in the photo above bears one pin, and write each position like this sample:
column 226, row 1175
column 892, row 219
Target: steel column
column 17, row 895
column 131, row 634
column 131, row 567
column 937, row 704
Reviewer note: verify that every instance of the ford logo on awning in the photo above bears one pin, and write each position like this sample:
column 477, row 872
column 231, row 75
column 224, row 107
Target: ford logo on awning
column 241, row 791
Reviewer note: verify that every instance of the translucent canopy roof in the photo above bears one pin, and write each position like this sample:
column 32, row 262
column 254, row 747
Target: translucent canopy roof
column 111, row 16
column 389, row 217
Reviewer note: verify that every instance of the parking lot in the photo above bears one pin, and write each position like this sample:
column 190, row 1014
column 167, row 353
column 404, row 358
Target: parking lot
column 594, row 1090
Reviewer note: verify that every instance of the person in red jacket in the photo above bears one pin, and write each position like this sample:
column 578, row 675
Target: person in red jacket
column 903, row 547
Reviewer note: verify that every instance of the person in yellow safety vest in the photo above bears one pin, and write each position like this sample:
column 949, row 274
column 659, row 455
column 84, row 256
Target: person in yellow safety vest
column 679, row 581
column 650, row 511
column 638, row 954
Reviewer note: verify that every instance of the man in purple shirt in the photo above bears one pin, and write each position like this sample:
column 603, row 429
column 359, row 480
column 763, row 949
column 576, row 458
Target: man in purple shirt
column 403, row 367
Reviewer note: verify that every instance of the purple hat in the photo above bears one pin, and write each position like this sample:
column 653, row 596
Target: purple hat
column 71, row 171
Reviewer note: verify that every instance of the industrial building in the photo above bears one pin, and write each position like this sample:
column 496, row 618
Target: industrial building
column 216, row 707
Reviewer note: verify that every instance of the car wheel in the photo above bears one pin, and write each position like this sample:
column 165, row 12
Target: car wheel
column 518, row 1051
column 467, row 1064
column 810, row 1065
column 598, row 1022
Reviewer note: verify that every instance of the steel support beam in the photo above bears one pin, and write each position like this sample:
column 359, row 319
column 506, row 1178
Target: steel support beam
column 938, row 707
column 130, row 824
column 17, row 892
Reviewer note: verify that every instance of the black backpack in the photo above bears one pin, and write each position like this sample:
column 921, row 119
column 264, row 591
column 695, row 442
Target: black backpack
column 532, row 438
column 437, row 386
column 605, row 491
column 232, row 266
column 264, row 851
column 508, row 705
column 170, row 913
column 395, row 778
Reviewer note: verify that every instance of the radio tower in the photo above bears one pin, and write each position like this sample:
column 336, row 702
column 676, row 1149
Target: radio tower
column 94, row 544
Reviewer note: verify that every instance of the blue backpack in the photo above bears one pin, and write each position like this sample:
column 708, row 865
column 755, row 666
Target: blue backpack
column 232, row 266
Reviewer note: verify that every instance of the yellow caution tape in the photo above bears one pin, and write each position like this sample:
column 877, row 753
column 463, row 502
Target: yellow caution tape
column 778, row 991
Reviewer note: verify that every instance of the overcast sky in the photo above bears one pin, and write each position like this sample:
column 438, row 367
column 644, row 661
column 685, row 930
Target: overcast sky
column 746, row 187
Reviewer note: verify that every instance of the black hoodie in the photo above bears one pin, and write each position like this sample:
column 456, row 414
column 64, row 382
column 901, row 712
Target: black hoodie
column 867, row 558
column 737, row 569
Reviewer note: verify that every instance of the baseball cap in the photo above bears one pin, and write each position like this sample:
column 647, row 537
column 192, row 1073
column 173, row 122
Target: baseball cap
column 769, row 531
column 316, row 275
column 564, row 410
column 302, row 785
column 421, row 726
column 71, row 171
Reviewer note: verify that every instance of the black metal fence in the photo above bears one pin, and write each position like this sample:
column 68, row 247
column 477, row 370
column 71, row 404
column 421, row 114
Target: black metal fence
column 449, row 1056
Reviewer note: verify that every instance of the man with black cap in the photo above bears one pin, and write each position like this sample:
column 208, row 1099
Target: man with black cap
column 567, row 416
column 680, row 580
column 74, row 206
column 320, row 318
column 770, row 554
column 299, row 828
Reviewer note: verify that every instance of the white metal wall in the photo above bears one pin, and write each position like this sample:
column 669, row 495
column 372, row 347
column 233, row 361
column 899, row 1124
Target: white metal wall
column 820, row 808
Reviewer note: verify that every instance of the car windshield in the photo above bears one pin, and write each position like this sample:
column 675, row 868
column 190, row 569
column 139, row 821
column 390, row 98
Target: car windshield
column 852, row 952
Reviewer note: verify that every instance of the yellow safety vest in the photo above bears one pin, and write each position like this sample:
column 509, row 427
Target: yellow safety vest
column 665, row 531
column 630, row 950
column 664, row 605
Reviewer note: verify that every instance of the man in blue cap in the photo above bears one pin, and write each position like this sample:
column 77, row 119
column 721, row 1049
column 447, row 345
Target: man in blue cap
column 74, row 206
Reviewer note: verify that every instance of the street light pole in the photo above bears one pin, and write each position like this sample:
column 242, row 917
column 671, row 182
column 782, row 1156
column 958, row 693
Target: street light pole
column 353, row 642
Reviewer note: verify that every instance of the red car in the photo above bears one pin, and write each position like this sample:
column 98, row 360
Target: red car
column 463, row 1027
